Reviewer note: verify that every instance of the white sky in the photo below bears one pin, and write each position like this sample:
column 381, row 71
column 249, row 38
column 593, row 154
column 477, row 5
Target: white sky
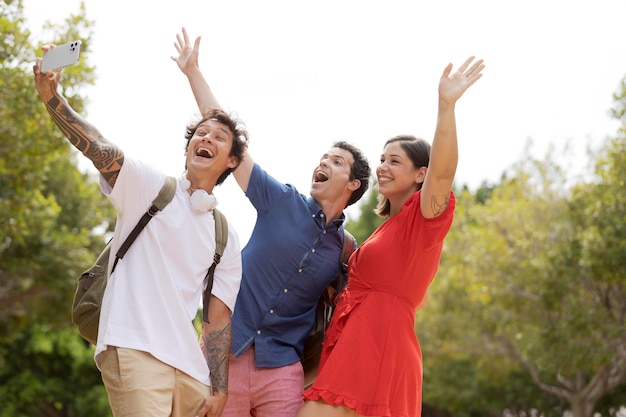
column 304, row 74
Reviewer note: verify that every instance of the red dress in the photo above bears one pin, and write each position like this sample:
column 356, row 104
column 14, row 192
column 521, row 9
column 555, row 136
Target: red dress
column 371, row 361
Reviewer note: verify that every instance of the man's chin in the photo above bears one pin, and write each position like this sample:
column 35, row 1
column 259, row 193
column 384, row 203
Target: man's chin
column 316, row 189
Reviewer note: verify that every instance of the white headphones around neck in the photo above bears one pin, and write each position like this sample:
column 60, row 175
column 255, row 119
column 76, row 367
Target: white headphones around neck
column 201, row 201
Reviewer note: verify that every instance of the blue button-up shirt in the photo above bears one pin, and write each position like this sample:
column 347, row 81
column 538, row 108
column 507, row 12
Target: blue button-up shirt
column 292, row 255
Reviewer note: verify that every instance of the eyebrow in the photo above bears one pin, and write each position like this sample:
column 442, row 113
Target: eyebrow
column 218, row 127
column 336, row 156
column 397, row 155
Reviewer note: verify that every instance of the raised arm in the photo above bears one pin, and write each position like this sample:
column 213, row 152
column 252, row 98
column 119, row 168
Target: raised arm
column 187, row 61
column 105, row 155
column 444, row 151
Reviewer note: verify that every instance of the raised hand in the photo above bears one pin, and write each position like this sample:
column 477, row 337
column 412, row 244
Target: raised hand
column 47, row 82
column 187, row 54
column 452, row 87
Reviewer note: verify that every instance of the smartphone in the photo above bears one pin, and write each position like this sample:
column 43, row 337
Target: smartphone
column 61, row 56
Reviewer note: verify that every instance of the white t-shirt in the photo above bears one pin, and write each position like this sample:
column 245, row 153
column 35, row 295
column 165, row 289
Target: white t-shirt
column 155, row 291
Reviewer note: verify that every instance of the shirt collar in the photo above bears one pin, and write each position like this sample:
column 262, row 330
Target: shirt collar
column 318, row 214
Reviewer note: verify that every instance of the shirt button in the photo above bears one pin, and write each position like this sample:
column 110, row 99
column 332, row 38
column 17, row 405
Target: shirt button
column 285, row 290
column 258, row 332
column 271, row 311
column 322, row 215
column 324, row 232
column 300, row 270
column 312, row 250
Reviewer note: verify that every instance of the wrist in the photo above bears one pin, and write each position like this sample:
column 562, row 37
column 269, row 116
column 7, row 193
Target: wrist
column 220, row 394
column 53, row 102
column 192, row 70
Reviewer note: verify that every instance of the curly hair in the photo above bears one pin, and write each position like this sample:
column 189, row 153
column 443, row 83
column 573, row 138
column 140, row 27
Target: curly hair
column 360, row 170
column 236, row 127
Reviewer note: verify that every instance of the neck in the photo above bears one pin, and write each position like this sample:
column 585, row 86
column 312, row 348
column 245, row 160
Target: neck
column 332, row 211
column 199, row 184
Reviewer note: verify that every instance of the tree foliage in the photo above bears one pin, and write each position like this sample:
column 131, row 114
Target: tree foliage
column 525, row 316
column 527, row 311
column 49, row 209
column 51, row 373
column 362, row 227
column 52, row 220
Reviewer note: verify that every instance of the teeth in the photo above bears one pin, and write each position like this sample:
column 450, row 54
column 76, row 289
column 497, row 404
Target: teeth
column 204, row 152
column 321, row 176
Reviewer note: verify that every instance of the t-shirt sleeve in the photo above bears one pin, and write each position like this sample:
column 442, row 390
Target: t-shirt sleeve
column 136, row 186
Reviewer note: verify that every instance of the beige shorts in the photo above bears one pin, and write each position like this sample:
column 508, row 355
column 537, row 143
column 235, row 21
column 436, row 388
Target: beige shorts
column 138, row 384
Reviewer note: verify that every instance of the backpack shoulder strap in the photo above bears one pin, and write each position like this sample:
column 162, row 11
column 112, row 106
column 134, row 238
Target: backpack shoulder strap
column 221, row 233
column 349, row 244
column 221, row 238
column 335, row 287
column 166, row 194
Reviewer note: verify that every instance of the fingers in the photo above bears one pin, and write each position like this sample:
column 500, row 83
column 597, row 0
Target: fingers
column 475, row 68
column 182, row 43
column 178, row 44
column 50, row 75
column 37, row 66
column 463, row 67
column 474, row 73
column 473, row 79
column 206, row 408
column 446, row 71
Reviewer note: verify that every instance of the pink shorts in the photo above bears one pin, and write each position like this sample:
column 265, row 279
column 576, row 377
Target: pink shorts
column 263, row 392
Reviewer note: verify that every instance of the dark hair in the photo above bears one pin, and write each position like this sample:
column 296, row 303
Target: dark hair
column 360, row 170
column 236, row 127
column 418, row 151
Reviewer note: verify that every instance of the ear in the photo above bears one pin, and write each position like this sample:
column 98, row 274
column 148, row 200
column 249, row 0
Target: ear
column 420, row 175
column 354, row 184
column 233, row 162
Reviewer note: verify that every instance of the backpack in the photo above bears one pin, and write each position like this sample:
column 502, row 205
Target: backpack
column 92, row 282
column 324, row 312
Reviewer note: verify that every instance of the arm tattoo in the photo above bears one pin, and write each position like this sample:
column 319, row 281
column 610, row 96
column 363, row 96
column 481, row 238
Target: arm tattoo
column 439, row 207
column 106, row 157
column 217, row 354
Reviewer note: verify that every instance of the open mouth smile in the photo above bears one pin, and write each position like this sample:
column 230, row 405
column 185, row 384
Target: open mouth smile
column 204, row 152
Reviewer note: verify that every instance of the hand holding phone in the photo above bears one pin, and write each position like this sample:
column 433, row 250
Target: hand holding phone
column 60, row 56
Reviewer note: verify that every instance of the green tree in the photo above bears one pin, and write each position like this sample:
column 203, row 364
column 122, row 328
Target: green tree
column 52, row 221
column 52, row 374
column 362, row 227
column 528, row 308
column 476, row 302
column 48, row 208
